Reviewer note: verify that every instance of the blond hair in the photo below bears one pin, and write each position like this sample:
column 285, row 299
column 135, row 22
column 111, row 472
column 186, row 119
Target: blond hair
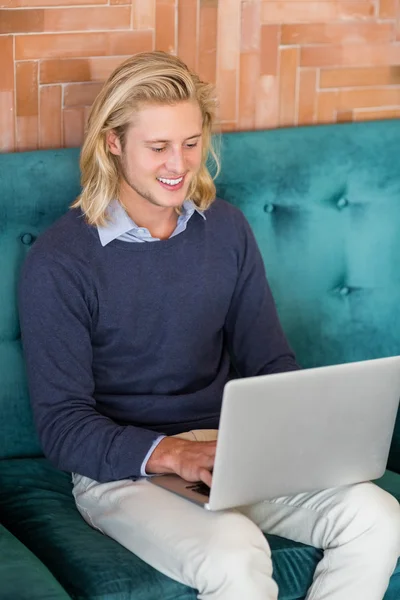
column 148, row 77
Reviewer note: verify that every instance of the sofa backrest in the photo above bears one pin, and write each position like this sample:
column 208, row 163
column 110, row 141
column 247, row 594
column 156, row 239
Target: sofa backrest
column 324, row 204
column 35, row 189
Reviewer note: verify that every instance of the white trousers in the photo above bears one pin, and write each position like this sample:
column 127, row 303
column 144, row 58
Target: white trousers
column 225, row 556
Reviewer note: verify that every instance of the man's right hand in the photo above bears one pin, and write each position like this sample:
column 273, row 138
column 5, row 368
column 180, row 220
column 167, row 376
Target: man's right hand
column 192, row 461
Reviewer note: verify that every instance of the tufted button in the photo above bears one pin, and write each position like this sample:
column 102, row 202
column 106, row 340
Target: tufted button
column 269, row 208
column 342, row 202
column 27, row 239
column 344, row 290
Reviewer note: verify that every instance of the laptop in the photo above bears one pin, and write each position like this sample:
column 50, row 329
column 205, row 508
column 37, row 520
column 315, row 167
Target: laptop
column 300, row 431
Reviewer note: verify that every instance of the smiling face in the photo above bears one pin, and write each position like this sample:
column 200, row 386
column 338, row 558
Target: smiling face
column 161, row 154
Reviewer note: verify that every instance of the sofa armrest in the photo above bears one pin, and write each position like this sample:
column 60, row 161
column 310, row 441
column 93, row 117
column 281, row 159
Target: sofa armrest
column 23, row 575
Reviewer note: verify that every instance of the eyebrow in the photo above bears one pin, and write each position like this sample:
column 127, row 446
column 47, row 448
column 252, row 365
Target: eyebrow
column 192, row 137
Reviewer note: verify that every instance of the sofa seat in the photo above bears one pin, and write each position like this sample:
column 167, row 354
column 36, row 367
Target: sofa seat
column 37, row 506
column 22, row 575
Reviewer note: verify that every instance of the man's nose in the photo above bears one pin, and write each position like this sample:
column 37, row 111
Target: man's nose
column 176, row 162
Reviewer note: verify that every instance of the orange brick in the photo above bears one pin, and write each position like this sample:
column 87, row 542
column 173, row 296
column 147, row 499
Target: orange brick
column 207, row 57
column 21, row 21
column 144, row 14
column 41, row 3
column 397, row 24
column 228, row 57
column 101, row 68
column 335, row 33
column 7, row 139
column 165, row 27
column 307, row 96
column 388, row 9
column 228, row 36
column 249, row 76
column 75, row 45
column 357, row 55
column 356, row 77
column 7, row 64
column 73, row 127
column 68, row 70
column 289, row 60
column 187, row 32
column 315, row 11
column 270, row 38
column 127, row 43
column 27, row 133
column 327, row 103
column 226, row 126
column 250, row 26
column 267, row 102
column 50, row 117
column 227, row 95
column 344, row 116
column 120, row 2
column 77, row 70
column 28, row 47
column 87, row 19
column 27, row 89
column 368, row 98
column 376, row 114
column 81, row 94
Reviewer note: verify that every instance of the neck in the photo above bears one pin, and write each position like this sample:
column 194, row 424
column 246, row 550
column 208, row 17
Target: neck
column 159, row 220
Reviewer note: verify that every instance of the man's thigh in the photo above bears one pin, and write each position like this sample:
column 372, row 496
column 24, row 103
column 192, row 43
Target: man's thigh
column 199, row 435
column 313, row 518
column 173, row 535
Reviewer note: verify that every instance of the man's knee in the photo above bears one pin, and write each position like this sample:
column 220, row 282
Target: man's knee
column 367, row 510
column 236, row 549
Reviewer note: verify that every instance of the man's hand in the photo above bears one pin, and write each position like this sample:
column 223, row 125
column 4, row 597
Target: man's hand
column 192, row 461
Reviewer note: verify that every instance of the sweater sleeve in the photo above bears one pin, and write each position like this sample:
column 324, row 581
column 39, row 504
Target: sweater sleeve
column 56, row 310
column 253, row 332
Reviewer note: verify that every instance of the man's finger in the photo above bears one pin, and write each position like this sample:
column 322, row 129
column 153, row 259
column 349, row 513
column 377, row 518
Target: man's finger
column 206, row 477
column 209, row 447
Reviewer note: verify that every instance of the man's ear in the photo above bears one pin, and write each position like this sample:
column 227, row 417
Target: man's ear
column 113, row 143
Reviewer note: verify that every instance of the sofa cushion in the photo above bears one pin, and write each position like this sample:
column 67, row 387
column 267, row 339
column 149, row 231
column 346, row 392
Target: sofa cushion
column 22, row 575
column 38, row 507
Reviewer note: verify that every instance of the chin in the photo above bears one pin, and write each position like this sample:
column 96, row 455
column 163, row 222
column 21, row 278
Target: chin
column 175, row 203
column 171, row 199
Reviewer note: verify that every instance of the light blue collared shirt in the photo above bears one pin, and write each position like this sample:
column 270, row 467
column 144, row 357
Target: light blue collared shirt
column 121, row 227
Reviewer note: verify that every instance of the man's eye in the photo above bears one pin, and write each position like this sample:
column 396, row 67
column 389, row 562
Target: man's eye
column 158, row 149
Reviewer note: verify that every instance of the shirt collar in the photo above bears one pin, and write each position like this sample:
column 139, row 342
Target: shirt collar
column 120, row 222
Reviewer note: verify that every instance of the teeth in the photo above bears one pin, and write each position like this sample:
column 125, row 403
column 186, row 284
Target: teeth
column 170, row 181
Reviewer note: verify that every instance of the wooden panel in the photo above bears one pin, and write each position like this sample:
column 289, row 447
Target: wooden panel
column 275, row 62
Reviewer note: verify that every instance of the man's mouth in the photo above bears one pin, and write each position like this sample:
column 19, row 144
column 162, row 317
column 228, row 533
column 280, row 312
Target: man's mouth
column 171, row 184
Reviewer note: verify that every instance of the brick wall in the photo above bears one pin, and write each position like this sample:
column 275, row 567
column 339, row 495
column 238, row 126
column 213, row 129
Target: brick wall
column 276, row 63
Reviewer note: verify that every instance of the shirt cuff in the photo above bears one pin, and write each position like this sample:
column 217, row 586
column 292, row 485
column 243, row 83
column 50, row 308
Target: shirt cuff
column 150, row 452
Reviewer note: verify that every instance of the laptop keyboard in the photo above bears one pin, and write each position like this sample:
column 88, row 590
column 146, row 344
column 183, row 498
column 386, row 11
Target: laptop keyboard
column 200, row 488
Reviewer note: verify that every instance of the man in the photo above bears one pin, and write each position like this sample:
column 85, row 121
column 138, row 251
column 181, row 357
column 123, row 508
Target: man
column 136, row 308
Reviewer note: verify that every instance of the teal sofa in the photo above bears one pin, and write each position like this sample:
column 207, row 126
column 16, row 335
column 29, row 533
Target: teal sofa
column 324, row 203
column 22, row 575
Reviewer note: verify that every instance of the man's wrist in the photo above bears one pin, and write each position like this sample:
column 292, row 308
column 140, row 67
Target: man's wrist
column 162, row 460
column 143, row 468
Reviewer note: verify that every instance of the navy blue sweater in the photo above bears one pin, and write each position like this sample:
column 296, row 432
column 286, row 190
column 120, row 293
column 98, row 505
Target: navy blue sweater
column 128, row 341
